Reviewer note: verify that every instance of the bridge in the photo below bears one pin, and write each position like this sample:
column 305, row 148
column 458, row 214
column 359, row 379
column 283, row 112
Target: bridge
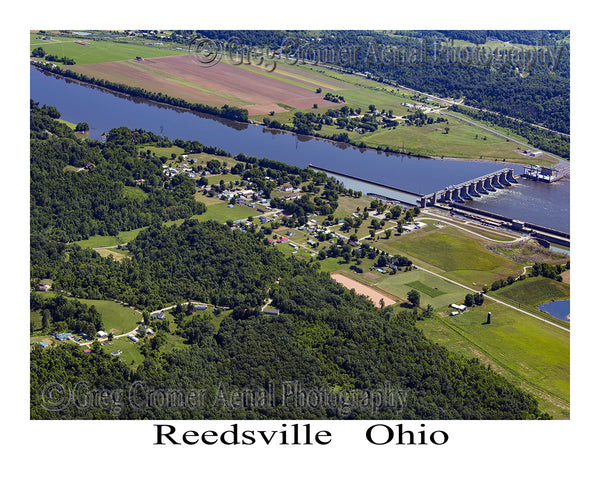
column 472, row 188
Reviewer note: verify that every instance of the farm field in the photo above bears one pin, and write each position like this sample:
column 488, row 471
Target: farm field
column 280, row 93
column 179, row 76
column 98, row 51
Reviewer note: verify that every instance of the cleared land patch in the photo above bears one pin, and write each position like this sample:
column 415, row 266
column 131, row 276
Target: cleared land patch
column 361, row 289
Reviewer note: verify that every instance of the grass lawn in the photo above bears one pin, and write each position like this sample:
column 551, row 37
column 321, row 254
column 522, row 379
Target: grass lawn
column 532, row 354
column 115, row 315
column 226, row 177
column 129, row 351
column 221, row 212
column 207, row 200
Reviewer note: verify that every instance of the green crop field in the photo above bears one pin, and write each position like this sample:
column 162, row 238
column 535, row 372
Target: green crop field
column 98, row 51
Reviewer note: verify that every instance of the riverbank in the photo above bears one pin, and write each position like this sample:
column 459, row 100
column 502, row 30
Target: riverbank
column 240, row 116
column 99, row 107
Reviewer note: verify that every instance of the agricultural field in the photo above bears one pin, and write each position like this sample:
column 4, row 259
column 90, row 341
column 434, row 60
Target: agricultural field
column 179, row 76
column 280, row 93
column 98, row 51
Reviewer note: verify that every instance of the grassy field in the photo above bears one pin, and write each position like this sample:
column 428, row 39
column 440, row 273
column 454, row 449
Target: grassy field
column 530, row 353
column 433, row 290
column 115, row 316
column 163, row 152
column 98, row 51
column 134, row 193
column 117, row 254
column 463, row 257
column 100, row 241
column 535, row 290
column 221, row 212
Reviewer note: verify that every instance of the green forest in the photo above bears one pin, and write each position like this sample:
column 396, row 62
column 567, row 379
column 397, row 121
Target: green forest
column 324, row 337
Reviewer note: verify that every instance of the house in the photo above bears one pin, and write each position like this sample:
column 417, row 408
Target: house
column 87, row 350
column 200, row 307
column 271, row 311
column 42, row 287
column 133, row 339
column 159, row 315
column 149, row 331
column 63, row 336
column 102, row 334
column 43, row 344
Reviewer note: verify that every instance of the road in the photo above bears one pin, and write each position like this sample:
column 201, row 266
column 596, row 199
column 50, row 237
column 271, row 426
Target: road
column 495, row 300
column 562, row 162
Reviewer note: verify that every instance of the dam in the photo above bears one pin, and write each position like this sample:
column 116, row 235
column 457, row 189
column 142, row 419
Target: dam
column 476, row 187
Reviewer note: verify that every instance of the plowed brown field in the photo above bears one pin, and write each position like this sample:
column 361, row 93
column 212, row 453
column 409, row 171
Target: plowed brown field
column 361, row 289
column 179, row 76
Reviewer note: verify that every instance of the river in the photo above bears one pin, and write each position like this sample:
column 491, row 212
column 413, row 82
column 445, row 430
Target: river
column 543, row 204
